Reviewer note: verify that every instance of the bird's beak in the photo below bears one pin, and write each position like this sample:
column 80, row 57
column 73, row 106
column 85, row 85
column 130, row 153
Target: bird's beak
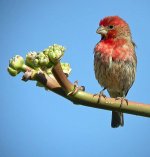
column 101, row 30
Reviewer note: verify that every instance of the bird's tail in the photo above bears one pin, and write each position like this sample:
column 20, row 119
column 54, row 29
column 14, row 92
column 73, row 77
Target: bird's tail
column 117, row 119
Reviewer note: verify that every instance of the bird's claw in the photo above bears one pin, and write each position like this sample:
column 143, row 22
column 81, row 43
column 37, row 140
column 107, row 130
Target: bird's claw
column 76, row 88
column 122, row 99
column 101, row 94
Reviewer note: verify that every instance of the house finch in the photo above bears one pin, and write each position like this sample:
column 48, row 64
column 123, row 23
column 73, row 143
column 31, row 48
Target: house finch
column 115, row 60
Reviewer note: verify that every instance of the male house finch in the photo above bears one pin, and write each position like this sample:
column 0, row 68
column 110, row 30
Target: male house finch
column 115, row 60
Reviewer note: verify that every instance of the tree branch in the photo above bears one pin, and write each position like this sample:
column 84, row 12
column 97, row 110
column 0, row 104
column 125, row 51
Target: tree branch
column 61, row 78
column 46, row 69
column 90, row 100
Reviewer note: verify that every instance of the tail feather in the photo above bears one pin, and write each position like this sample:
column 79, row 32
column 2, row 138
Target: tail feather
column 117, row 119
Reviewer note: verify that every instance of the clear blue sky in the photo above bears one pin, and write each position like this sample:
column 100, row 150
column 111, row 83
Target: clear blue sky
column 38, row 123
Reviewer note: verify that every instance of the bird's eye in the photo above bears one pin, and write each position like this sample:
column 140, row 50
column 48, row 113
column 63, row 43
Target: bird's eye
column 111, row 27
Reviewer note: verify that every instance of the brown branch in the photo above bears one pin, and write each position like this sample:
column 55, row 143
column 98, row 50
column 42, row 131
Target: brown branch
column 61, row 78
column 90, row 100
column 60, row 85
column 58, row 82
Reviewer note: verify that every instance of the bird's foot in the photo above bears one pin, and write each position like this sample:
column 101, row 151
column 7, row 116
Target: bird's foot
column 76, row 88
column 122, row 99
column 100, row 95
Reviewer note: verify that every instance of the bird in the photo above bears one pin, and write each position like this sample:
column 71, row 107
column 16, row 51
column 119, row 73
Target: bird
column 115, row 61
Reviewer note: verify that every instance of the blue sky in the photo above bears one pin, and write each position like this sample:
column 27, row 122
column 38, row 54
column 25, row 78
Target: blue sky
column 35, row 122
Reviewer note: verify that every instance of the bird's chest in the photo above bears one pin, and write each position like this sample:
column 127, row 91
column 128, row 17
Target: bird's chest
column 110, row 65
column 107, row 71
column 109, row 75
column 109, row 51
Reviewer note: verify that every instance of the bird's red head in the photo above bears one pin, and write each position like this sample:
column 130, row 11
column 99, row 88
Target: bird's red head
column 113, row 27
column 112, row 20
